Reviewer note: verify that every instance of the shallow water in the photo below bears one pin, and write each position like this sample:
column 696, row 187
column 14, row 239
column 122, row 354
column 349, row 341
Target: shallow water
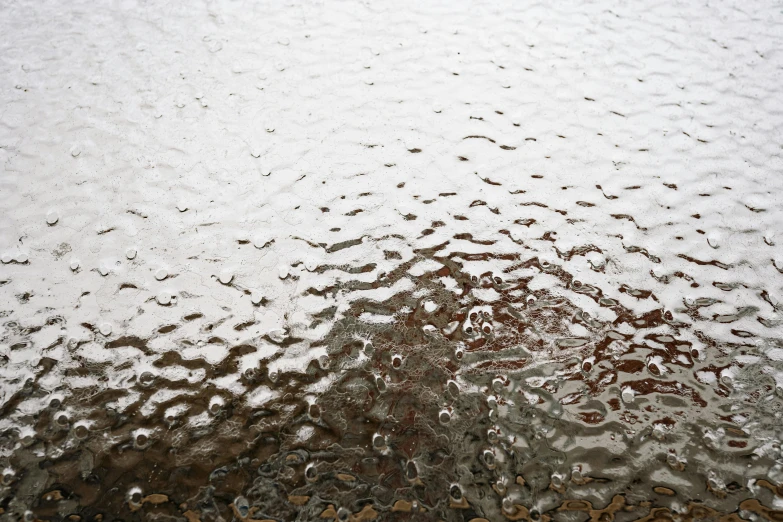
column 389, row 261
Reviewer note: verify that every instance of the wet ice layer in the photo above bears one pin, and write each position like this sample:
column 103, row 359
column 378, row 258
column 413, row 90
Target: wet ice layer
column 357, row 260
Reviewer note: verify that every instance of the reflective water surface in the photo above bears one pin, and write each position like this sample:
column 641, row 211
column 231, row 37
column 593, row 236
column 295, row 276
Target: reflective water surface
column 356, row 261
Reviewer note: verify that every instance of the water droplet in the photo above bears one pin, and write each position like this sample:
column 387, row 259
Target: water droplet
column 672, row 460
column 628, row 395
column 453, row 388
column 146, row 378
column 727, row 377
column 216, row 404
column 8, row 476
column 182, row 207
column 277, row 335
column 141, row 439
column 134, row 496
column 444, row 416
column 283, row 271
column 378, row 441
column 226, row 276
column 6, row 258
column 52, row 217
column 161, row 274
column 75, row 151
column 105, row 329
column 498, row 385
column 396, row 361
column 130, row 253
column 256, row 298
column 489, row 459
column 75, row 264
column 369, row 349
column 411, row 472
column 80, row 431
column 311, row 473
column 587, row 364
column 380, row 383
column 103, row 269
column 242, row 506
column 164, row 298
